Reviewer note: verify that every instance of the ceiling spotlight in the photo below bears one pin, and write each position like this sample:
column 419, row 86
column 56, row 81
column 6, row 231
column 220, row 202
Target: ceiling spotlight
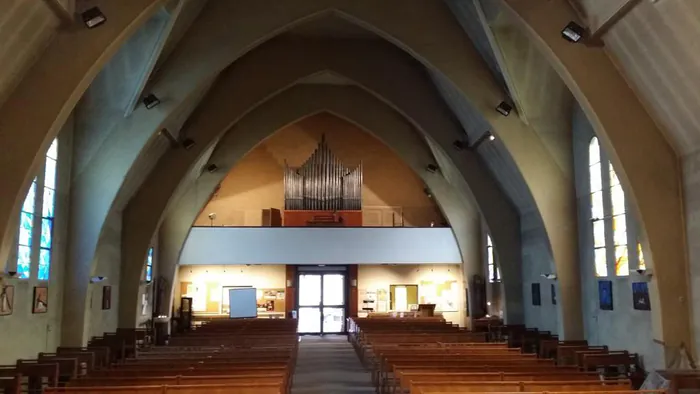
column 459, row 145
column 93, row 17
column 428, row 192
column 504, row 108
column 573, row 32
column 432, row 168
column 187, row 143
column 212, row 168
column 491, row 137
column 151, row 101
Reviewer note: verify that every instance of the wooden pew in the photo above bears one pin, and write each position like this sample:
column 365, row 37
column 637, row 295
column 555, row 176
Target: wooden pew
column 10, row 384
column 232, row 388
column 418, row 387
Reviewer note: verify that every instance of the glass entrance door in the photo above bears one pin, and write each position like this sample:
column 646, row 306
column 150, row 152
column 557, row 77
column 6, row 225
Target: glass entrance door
column 321, row 303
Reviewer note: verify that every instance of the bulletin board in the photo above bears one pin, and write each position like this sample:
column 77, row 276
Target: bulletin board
column 443, row 294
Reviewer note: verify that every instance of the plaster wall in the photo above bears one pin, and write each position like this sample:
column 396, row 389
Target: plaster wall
column 26, row 333
column 623, row 327
column 376, row 277
column 257, row 182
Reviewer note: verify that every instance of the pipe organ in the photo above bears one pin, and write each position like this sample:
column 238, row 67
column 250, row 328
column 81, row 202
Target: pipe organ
column 322, row 183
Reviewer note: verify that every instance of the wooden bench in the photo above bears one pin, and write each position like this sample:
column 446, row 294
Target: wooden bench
column 233, row 388
column 419, row 387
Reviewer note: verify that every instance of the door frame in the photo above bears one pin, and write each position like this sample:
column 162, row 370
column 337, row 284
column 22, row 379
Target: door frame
column 322, row 270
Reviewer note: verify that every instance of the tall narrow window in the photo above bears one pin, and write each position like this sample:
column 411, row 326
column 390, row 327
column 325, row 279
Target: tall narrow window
column 47, row 212
column 26, row 228
column 597, row 208
column 149, row 265
column 641, row 264
column 619, row 224
column 494, row 271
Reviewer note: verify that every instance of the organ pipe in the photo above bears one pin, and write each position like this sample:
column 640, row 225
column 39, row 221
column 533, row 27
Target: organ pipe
column 322, row 183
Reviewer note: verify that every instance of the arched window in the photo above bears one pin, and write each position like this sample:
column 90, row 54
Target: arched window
column 40, row 197
column 608, row 215
column 149, row 265
column 494, row 271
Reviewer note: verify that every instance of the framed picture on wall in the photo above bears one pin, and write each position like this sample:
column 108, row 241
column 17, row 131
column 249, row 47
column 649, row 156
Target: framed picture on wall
column 536, row 296
column 640, row 296
column 106, row 298
column 605, row 295
column 41, row 299
column 554, row 294
column 7, row 299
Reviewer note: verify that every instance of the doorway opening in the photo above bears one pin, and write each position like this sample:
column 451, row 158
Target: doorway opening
column 321, row 302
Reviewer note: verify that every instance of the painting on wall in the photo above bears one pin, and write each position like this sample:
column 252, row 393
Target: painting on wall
column 554, row 294
column 106, row 298
column 536, row 296
column 41, row 299
column 605, row 295
column 7, row 299
column 640, row 296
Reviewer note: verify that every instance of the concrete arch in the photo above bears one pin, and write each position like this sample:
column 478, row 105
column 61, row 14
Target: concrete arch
column 40, row 105
column 618, row 117
column 406, row 86
column 356, row 106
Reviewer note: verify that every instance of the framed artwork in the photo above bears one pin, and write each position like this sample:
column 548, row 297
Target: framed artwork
column 554, row 294
column 106, row 298
column 605, row 295
column 640, row 296
column 7, row 300
column 536, row 297
column 41, row 299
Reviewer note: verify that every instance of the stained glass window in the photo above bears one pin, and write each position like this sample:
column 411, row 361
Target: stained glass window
column 597, row 208
column 641, row 264
column 493, row 269
column 47, row 212
column 608, row 215
column 26, row 227
column 149, row 265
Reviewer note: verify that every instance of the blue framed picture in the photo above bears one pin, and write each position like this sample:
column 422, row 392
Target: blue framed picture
column 605, row 295
column 640, row 296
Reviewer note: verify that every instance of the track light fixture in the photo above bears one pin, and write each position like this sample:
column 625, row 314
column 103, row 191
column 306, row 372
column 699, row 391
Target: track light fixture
column 573, row 32
column 432, row 168
column 212, row 168
column 93, row 17
column 428, row 192
column 484, row 137
column 187, row 143
column 460, row 145
column 491, row 136
column 504, row 108
column 151, row 101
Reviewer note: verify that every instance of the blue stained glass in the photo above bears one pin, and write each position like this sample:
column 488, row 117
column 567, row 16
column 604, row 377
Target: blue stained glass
column 50, row 174
column 24, row 261
column 44, row 264
column 26, row 222
column 53, row 150
column 149, row 265
column 28, row 205
column 149, row 273
column 46, row 233
column 49, row 202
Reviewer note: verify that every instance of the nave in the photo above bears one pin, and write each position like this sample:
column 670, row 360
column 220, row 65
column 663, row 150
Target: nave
column 383, row 354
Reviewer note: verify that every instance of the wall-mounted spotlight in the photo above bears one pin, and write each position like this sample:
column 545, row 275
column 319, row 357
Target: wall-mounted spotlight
column 491, row 137
column 97, row 279
column 549, row 276
column 460, row 145
column 428, row 192
column 504, row 108
column 486, row 136
column 573, row 32
column 212, row 168
column 93, row 17
column 187, row 143
column 212, row 217
column 431, row 168
column 151, row 101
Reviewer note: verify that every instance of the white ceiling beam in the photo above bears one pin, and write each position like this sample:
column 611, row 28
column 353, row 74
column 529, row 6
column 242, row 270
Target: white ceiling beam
column 500, row 60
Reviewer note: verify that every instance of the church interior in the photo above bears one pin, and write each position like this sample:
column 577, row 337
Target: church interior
column 349, row 196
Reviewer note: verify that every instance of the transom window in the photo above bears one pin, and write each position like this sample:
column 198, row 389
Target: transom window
column 38, row 213
column 609, row 216
column 494, row 271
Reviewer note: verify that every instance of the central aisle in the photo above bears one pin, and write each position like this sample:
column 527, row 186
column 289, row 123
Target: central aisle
column 329, row 365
